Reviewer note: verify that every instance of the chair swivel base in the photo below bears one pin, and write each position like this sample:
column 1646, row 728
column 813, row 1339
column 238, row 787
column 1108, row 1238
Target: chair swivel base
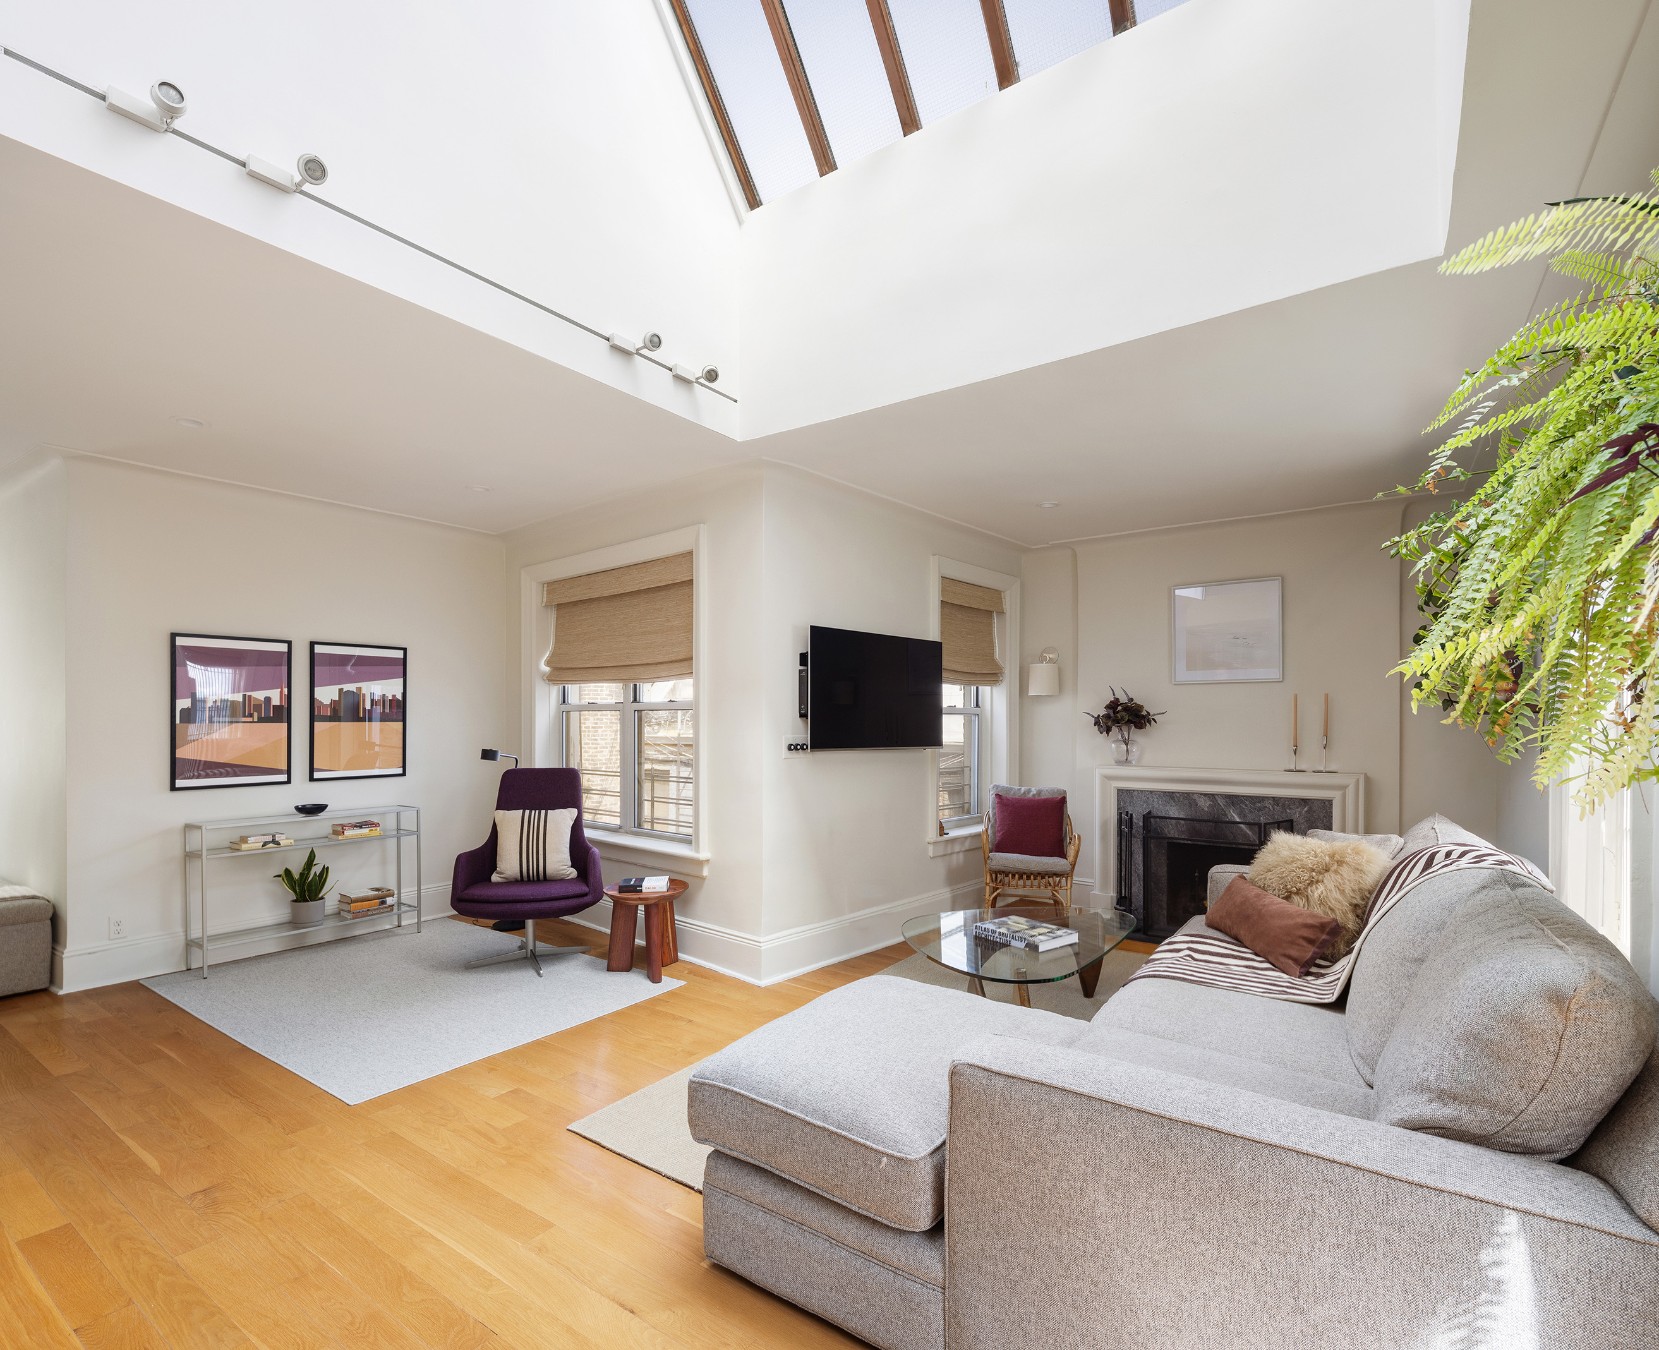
column 528, row 950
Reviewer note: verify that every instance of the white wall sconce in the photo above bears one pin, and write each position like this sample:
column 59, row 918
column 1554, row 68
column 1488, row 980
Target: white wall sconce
column 1042, row 679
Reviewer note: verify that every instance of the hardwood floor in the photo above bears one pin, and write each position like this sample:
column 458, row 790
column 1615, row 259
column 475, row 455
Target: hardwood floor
column 162, row 1185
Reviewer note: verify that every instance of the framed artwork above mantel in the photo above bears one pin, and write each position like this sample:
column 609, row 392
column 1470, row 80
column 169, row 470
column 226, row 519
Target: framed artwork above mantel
column 359, row 701
column 1226, row 632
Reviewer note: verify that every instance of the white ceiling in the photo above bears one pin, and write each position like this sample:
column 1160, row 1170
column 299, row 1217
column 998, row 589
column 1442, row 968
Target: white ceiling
column 123, row 312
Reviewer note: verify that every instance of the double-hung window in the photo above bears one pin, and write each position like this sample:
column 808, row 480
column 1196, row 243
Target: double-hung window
column 961, row 790
column 634, row 745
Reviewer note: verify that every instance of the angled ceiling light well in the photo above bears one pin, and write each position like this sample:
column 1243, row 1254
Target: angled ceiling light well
column 798, row 87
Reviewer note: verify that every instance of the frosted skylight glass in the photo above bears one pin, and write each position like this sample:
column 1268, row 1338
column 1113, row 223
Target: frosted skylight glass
column 1045, row 32
column 946, row 52
column 744, row 61
column 1151, row 9
column 843, row 66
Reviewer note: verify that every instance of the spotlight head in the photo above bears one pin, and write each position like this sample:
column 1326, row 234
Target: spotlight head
column 489, row 754
column 312, row 171
column 169, row 99
column 710, row 374
column 651, row 342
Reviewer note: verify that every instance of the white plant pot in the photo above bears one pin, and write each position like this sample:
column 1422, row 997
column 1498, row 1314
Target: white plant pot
column 305, row 913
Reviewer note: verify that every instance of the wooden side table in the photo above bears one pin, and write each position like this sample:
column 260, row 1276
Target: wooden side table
column 662, row 946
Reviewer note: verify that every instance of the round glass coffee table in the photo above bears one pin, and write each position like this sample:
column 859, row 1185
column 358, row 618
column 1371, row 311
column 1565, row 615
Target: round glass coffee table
column 948, row 939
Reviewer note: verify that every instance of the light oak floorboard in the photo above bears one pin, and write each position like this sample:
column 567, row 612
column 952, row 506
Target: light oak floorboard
column 162, row 1185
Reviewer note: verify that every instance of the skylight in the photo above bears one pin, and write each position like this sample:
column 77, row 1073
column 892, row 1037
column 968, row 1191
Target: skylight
column 799, row 87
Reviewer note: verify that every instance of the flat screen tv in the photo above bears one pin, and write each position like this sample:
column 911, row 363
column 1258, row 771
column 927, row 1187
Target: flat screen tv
column 872, row 691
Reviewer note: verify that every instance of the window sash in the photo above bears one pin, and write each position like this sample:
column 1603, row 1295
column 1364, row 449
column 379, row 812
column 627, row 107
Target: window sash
column 971, row 710
column 678, row 804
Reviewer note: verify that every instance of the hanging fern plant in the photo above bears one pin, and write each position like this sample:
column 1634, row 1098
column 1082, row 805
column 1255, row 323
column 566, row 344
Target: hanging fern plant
column 1538, row 590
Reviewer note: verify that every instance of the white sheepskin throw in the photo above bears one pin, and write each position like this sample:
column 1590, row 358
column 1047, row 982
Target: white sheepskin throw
column 1335, row 879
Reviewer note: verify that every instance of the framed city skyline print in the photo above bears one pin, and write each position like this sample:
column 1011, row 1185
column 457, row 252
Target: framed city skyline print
column 230, row 711
column 1228, row 631
column 357, row 710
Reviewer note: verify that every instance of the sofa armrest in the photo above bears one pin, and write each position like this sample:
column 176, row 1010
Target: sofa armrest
column 1178, row 1212
column 1220, row 876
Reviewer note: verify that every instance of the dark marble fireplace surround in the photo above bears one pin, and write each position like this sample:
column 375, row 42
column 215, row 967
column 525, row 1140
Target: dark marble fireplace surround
column 1168, row 841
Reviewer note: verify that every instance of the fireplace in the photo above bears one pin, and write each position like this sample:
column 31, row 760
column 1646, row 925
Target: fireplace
column 1166, row 842
column 1176, row 855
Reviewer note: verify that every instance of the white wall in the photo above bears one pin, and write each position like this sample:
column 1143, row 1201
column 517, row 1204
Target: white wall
column 1229, row 153
column 1345, row 623
column 811, row 858
column 719, row 918
column 847, row 832
column 549, row 144
column 150, row 554
column 33, row 540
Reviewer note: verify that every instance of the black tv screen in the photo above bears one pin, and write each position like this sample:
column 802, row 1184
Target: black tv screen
column 872, row 691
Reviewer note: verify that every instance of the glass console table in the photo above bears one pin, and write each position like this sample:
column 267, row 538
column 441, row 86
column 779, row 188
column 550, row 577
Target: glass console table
column 400, row 825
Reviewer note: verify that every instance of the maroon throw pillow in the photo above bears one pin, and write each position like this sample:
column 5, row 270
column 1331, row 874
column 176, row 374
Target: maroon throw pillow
column 1034, row 826
column 1285, row 935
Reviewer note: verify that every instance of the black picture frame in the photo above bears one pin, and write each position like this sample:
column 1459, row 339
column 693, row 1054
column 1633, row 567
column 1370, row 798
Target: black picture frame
column 204, row 692
column 329, row 755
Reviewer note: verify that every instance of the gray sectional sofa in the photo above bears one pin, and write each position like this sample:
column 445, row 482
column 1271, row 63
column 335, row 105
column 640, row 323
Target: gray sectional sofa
column 1465, row 1152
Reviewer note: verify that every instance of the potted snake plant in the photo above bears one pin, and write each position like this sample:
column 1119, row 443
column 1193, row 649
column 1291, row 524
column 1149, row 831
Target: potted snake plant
column 306, row 889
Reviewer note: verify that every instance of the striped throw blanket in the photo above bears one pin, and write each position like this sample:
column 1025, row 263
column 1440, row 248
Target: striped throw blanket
column 1205, row 956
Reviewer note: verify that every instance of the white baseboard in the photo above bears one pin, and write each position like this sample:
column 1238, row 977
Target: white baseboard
column 103, row 963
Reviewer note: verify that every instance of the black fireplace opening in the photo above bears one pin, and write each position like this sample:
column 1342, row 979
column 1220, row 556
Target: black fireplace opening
column 1176, row 855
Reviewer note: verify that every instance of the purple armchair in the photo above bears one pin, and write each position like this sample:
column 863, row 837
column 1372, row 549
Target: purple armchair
column 476, row 896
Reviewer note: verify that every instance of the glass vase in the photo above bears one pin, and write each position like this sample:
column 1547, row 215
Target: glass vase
column 1125, row 750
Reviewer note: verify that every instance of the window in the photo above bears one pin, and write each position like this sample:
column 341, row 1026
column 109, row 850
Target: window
column 634, row 745
column 960, row 786
column 797, row 87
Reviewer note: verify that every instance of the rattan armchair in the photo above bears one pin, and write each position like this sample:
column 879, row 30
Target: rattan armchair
column 1011, row 875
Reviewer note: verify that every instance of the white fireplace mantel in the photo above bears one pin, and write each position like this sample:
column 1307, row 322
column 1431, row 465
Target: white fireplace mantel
column 1344, row 791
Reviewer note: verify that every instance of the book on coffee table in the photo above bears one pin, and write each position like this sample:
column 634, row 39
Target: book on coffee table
column 1034, row 935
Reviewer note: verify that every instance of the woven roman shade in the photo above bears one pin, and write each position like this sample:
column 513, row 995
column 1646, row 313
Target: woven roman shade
column 627, row 623
column 968, row 631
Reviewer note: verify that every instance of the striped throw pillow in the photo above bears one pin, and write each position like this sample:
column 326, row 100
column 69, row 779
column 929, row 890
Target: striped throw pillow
column 533, row 845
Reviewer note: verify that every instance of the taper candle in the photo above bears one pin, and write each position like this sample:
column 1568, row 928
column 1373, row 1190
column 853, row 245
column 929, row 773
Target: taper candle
column 1326, row 732
column 1294, row 721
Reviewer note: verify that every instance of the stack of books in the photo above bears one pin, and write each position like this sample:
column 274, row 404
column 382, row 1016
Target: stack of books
column 365, row 904
column 1032, row 934
column 355, row 829
column 641, row 885
column 250, row 842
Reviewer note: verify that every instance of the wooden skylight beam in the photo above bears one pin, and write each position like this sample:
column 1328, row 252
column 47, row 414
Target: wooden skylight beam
column 892, row 60
column 795, row 72
column 1002, row 46
column 717, row 105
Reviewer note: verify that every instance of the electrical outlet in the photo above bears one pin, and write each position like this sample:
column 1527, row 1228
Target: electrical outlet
column 796, row 746
column 117, row 929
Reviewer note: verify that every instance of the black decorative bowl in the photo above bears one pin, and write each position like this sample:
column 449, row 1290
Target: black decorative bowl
column 312, row 808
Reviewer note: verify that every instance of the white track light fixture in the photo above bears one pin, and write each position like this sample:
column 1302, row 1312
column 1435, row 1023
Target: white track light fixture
column 312, row 172
column 651, row 342
column 165, row 105
column 707, row 375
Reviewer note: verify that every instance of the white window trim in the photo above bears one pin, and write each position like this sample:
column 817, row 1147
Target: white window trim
column 539, row 711
column 1001, row 703
column 1591, row 860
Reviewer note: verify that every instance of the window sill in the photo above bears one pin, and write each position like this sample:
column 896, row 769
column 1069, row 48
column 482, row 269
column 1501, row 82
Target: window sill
column 680, row 859
column 958, row 841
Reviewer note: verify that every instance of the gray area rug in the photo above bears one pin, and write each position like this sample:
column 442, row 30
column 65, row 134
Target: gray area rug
column 649, row 1126
column 366, row 1015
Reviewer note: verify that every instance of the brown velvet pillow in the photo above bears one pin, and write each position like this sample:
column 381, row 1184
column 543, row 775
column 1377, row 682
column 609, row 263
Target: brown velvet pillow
column 1285, row 935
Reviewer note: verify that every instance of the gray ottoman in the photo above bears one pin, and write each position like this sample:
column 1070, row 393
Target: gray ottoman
column 25, row 940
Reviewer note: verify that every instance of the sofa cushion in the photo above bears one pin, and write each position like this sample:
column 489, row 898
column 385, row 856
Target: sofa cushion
column 1522, row 1029
column 850, row 1095
column 1624, row 1150
column 1332, row 878
column 1436, row 829
column 1286, row 936
column 1306, row 1037
column 1397, row 945
column 1391, row 844
column 1347, row 1098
